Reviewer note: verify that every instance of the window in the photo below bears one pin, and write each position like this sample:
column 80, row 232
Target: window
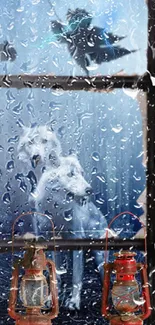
column 79, row 156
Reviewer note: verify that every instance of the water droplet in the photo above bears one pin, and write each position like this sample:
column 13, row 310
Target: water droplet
column 19, row 176
column 30, row 109
column 90, row 40
column 55, row 106
column 50, row 13
column 61, row 271
column 1, row 112
column 21, row 223
column 23, row 186
column 31, row 95
column 7, row 81
column 10, row 26
column 9, row 96
column 137, row 178
column 49, row 200
column 68, row 215
column 6, row 198
column 103, row 129
column 20, row 123
column 1, row 148
column 18, row 108
column 95, row 156
column 69, row 197
column 141, row 154
column 14, row 139
column 92, row 67
column 11, row 149
column 10, row 166
column 117, row 129
column 56, row 205
column 58, row 92
column 113, row 199
column 101, row 178
column 20, row 9
column 94, row 171
column 24, row 43
column 61, row 131
column 114, row 180
column 124, row 139
column 100, row 201
column 33, row 180
column 35, row 2
column 83, row 116
column 8, row 186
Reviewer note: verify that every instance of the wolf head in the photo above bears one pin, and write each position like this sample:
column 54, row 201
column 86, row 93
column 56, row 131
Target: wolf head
column 38, row 143
column 65, row 180
column 71, row 177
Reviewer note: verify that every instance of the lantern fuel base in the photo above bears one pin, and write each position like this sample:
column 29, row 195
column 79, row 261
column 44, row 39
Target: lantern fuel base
column 34, row 291
column 131, row 308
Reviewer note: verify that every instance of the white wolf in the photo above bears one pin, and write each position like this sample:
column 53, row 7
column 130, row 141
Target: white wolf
column 62, row 191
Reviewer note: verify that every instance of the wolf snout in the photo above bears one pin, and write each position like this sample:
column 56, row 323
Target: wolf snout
column 35, row 160
column 89, row 190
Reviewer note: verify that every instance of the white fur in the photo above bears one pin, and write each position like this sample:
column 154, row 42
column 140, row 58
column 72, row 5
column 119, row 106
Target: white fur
column 62, row 176
column 68, row 175
column 38, row 140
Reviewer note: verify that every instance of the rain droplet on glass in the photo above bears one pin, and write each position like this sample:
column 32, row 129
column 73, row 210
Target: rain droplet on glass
column 95, row 156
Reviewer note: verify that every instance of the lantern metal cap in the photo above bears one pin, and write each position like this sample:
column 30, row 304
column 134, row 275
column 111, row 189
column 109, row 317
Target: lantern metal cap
column 124, row 253
column 32, row 241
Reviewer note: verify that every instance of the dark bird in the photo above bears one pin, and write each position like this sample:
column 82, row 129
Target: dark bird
column 7, row 52
column 86, row 43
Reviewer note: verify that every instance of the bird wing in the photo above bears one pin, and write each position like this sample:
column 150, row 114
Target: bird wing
column 109, row 53
column 100, row 38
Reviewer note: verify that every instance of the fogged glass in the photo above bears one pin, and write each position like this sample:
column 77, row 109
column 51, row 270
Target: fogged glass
column 34, row 292
column 74, row 37
column 125, row 296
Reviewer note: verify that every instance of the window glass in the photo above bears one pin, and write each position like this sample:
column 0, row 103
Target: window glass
column 98, row 138
column 75, row 37
column 79, row 157
column 96, row 142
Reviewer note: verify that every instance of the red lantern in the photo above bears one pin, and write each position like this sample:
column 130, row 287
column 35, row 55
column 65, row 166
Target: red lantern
column 34, row 289
column 125, row 292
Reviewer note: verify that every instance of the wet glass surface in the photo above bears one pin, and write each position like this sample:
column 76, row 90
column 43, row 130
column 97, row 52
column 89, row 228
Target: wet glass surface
column 79, row 157
column 84, row 142
column 94, row 37
column 100, row 141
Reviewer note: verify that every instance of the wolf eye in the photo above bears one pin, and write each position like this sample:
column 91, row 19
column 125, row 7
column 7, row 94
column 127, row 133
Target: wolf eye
column 44, row 140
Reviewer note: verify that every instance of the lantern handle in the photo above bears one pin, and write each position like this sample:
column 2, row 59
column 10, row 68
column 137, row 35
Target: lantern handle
column 13, row 292
column 53, row 289
column 105, row 291
column 109, row 225
column 145, row 290
column 30, row 213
